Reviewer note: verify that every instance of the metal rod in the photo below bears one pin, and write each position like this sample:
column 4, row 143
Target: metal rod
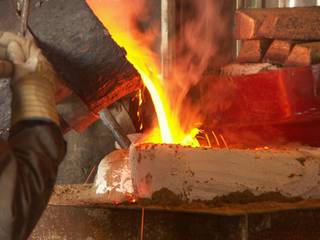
column 291, row 3
column 24, row 17
column 281, row 3
column 253, row 4
column 239, row 4
column 164, row 35
column 115, row 128
column 167, row 48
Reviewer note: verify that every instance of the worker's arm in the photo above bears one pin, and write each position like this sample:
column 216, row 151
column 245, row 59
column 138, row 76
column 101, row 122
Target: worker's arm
column 28, row 170
column 29, row 160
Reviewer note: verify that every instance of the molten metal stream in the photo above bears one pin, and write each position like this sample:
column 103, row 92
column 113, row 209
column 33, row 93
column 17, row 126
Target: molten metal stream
column 145, row 61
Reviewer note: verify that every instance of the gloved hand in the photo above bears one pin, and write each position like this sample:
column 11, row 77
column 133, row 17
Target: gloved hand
column 33, row 81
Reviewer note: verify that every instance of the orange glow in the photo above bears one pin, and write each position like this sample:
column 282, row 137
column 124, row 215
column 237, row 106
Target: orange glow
column 131, row 198
column 208, row 140
column 216, row 138
column 119, row 25
column 139, row 109
column 262, row 148
column 224, row 141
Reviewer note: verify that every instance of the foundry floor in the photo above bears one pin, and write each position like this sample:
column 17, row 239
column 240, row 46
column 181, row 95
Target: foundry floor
column 74, row 213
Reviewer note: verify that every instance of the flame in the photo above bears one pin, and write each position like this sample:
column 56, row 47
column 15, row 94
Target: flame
column 169, row 128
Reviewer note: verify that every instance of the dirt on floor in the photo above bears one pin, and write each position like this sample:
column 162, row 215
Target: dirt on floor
column 166, row 197
column 79, row 195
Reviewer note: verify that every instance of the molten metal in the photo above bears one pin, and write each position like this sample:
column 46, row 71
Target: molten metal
column 115, row 15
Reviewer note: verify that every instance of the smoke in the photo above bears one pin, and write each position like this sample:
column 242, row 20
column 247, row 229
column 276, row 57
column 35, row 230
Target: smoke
column 198, row 31
column 196, row 43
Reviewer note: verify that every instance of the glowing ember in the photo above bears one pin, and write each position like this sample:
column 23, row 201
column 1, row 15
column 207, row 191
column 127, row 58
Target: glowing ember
column 262, row 148
column 116, row 16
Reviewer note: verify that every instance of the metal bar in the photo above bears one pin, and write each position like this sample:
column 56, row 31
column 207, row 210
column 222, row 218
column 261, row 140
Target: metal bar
column 164, row 34
column 291, row 3
column 280, row 4
column 253, row 3
column 239, row 5
column 24, row 17
column 167, row 30
column 115, row 128
column 256, row 4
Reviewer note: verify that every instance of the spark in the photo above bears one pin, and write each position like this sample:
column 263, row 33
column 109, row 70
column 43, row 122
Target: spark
column 224, row 141
column 208, row 140
column 140, row 97
column 215, row 137
column 262, row 148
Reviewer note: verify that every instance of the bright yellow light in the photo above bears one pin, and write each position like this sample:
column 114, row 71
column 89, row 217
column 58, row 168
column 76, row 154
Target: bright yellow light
column 145, row 63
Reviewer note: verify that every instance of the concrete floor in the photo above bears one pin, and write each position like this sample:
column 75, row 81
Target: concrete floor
column 84, row 151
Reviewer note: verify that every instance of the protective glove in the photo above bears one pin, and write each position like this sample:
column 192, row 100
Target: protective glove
column 33, row 81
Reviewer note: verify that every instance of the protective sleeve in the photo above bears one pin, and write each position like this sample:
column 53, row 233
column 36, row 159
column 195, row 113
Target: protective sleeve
column 28, row 168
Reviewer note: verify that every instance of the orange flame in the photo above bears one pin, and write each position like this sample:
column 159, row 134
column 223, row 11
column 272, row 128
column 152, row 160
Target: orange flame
column 144, row 60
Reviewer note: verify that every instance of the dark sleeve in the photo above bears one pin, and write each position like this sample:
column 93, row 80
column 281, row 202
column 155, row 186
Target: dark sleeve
column 28, row 168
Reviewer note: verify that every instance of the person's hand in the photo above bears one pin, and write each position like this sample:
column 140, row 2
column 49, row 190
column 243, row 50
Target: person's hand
column 33, row 80
column 25, row 55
